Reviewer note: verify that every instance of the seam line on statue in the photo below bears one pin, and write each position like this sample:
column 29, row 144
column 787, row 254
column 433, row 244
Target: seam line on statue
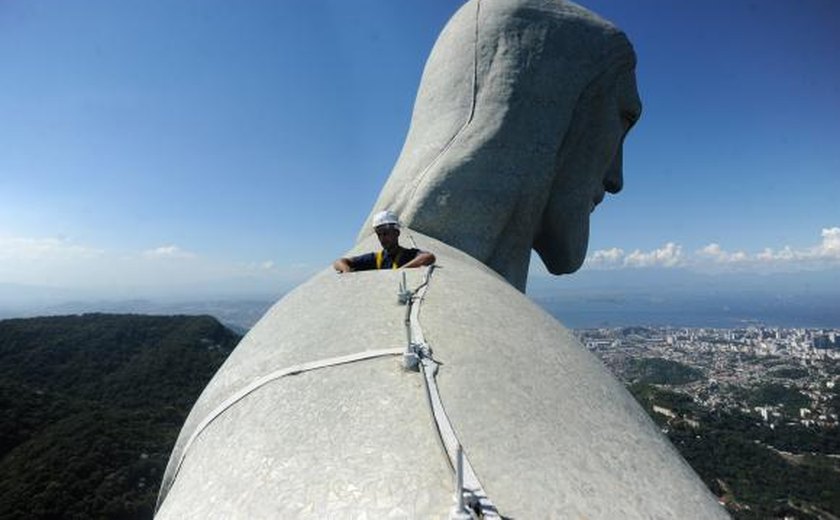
column 470, row 116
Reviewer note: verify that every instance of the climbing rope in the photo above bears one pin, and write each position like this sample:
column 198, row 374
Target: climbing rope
column 471, row 498
column 273, row 376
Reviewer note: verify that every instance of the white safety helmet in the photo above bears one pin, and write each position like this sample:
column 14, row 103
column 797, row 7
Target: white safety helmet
column 386, row 218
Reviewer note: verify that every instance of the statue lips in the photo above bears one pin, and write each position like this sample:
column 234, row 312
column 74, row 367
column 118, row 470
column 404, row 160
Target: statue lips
column 607, row 186
column 597, row 199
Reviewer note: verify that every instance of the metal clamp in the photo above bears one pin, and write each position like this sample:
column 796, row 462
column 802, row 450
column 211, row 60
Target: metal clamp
column 403, row 294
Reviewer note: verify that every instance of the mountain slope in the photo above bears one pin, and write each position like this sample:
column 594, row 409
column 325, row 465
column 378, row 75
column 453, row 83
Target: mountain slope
column 90, row 406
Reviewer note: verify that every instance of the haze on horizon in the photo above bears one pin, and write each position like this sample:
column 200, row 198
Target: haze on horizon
column 205, row 148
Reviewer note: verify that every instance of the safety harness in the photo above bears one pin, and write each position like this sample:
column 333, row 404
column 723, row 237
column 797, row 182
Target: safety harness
column 380, row 257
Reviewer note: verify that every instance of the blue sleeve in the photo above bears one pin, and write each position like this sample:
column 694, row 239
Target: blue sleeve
column 364, row 262
column 409, row 255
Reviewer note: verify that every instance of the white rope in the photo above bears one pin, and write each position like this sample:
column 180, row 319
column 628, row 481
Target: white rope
column 448, row 437
column 277, row 374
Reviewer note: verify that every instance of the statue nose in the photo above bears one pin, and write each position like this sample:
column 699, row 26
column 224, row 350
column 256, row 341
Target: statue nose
column 614, row 179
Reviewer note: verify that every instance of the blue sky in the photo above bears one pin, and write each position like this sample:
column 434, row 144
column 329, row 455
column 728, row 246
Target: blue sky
column 153, row 147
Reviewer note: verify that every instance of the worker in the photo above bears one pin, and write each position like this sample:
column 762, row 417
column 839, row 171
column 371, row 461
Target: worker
column 386, row 224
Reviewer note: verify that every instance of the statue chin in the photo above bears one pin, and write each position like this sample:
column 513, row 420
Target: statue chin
column 558, row 263
column 562, row 248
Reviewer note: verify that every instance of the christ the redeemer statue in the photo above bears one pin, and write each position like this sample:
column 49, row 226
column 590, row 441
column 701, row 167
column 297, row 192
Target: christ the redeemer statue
column 516, row 136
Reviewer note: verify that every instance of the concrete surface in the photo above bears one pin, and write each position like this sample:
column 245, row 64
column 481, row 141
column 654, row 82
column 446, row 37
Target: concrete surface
column 516, row 133
column 548, row 430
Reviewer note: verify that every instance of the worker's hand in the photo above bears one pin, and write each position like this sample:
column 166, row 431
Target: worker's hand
column 342, row 266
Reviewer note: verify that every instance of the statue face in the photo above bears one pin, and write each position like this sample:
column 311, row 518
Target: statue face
column 516, row 134
column 588, row 166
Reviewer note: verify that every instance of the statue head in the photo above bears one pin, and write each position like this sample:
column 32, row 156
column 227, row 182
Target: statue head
column 516, row 133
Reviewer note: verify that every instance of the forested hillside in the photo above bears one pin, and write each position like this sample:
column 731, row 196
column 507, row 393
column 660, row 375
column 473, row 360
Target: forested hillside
column 90, row 407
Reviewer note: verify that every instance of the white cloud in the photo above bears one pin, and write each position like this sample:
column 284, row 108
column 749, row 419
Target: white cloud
column 669, row 255
column 167, row 269
column 609, row 255
column 825, row 254
column 716, row 254
column 168, row 251
column 606, row 258
column 830, row 246
column 43, row 249
column 786, row 254
column 47, row 261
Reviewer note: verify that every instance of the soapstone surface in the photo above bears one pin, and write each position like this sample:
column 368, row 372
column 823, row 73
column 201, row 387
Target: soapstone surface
column 516, row 134
column 548, row 430
column 532, row 405
column 350, row 441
